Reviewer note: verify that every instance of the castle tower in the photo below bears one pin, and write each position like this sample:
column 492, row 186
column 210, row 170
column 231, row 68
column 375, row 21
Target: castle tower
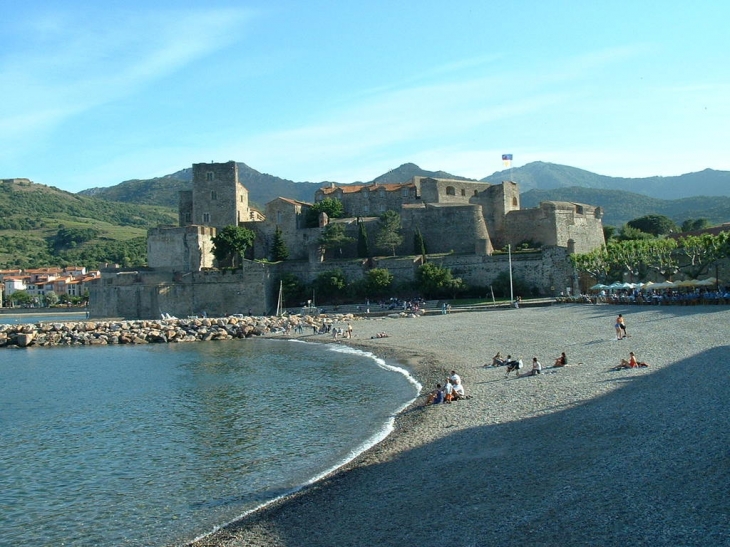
column 497, row 201
column 218, row 198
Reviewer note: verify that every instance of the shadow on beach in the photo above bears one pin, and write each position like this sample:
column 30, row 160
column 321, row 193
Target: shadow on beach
column 601, row 472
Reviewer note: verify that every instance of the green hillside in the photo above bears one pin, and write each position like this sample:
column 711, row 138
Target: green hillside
column 164, row 191
column 620, row 207
column 44, row 226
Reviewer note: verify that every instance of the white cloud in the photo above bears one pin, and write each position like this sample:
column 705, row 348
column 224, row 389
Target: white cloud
column 77, row 64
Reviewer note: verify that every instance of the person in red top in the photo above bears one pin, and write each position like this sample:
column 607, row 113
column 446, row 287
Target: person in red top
column 631, row 363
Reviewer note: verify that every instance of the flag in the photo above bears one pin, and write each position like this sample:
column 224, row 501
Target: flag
column 507, row 160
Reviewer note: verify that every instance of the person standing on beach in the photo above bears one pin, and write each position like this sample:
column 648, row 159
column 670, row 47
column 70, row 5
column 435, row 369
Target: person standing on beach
column 619, row 328
column 622, row 325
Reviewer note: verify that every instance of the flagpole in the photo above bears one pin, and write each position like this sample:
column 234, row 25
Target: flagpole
column 511, row 292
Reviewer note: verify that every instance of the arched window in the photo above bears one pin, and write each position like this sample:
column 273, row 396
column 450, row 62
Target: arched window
column 514, row 201
column 450, row 191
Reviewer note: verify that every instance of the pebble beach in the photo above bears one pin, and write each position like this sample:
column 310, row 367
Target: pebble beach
column 578, row 455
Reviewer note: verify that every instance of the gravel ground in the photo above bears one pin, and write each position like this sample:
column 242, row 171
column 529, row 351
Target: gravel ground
column 580, row 455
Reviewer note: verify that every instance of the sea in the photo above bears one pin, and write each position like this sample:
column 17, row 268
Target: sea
column 158, row 445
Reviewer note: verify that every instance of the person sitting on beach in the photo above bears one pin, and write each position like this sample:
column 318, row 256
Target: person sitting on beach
column 448, row 391
column 536, row 367
column 436, row 396
column 497, row 360
column 514, row 365
column 455, row 378
column 459, row 392
column 631, row 363
column 561, row 361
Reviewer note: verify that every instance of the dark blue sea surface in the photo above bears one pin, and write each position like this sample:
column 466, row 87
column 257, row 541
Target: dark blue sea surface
column 156, row 445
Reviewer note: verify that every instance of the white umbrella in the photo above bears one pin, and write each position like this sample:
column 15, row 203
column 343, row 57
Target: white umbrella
column 598, row 287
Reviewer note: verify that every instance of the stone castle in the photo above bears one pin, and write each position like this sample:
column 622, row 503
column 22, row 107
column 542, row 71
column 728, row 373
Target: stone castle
column 461, row 222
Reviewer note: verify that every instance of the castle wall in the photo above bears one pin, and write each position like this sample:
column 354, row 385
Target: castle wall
column 556, row 223
column 371, row 200
column 184, row 249
column 457, row 228
column 448, row 190
column 146, row 294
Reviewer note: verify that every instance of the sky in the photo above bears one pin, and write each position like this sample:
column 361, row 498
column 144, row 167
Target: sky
column 96, row 93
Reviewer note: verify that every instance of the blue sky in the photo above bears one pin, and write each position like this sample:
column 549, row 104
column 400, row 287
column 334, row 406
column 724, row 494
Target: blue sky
column 95, row 93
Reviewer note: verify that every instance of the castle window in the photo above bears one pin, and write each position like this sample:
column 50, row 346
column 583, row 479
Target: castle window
column 450, row 191
column 278, row 217
column 463, row 192
column 381, row 207
column 476, row 192
column 579, row 209
column 213, row 195
column 365, row 209
column 514, row 201
column 188, row 218
column 206, row 218
column 209, row 176
column 241, row 198
column 404, row 192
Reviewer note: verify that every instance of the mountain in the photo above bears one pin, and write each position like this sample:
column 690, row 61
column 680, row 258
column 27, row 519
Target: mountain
column 622, row 199
column 262, row 187
column 409, row 170
column 547, row 176
column 620, row 206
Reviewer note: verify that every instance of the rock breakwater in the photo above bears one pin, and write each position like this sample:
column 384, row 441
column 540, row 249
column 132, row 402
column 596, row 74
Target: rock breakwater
column 162, row 331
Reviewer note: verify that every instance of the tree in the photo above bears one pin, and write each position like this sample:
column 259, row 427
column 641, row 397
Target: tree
column 279, row 251
column 20, row 298
column 231, row 242
column 630, row 233
column 333, row 237
column 333, row 208
column 419, row 244
column 660, row 255
column 363, row 246
column 434, row 280
column 595, row 263
column 330, row 285
column 378, row 282
column 691, row 225
column 656, row 225
column 701, row 252
column 389, row 231
column 51, row 298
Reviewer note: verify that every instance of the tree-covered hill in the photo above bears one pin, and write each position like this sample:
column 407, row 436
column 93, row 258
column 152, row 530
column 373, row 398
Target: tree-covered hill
column 620, row 206
column 44, row 226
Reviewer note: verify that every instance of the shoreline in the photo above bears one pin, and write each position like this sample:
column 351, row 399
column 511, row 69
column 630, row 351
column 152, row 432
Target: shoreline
column 556, row 459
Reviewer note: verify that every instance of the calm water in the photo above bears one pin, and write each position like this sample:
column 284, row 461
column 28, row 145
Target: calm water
column 156, row 445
